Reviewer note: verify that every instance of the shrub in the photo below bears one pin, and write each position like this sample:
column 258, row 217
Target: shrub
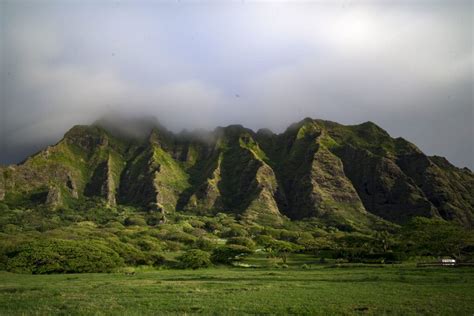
column 437, row 237
column 197, row 223
column 155, row 258
column 129, row 253
column 264, row 240
column 212, row 226
column 194, row 259
column 11, row 229
column 179, row 236
column 114, row 225
column 234, row 231
column 288, row 235
column 154, row 219
column 148, row 245
column 255, row 230
column 135, row 220
column 173, row 245
column 282, row 249
column 205, row 244
column 62, row 256
column 242, row 241
column 227, row 254
column 4, row 207
column 197, row 232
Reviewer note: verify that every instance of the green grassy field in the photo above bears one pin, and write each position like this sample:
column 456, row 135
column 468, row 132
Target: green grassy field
column 324, row 290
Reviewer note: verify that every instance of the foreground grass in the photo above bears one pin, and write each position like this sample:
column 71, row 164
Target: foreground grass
column 321, row 290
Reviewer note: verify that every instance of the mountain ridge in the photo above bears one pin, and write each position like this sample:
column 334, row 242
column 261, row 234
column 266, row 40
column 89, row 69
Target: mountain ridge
column 354, row 175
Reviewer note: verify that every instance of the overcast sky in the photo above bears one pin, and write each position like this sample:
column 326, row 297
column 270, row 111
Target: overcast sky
column 407, row 66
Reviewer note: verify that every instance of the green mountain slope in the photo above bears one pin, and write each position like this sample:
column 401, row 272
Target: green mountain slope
column 352, row 176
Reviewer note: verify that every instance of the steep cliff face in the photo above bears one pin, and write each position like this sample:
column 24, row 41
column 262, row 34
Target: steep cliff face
column 236, row 179
column 205, row 196
column 450, row 190
column 313, row 178
column 103, row 182
column 384, row 189
column 352, row 175
column 54, row 199
column 86, row 162
column 361, row 168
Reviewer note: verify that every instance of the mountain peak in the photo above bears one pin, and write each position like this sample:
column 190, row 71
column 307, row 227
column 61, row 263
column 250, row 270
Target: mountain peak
column 138, row 127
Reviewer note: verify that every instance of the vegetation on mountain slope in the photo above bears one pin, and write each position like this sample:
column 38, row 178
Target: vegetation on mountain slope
column 319, row 187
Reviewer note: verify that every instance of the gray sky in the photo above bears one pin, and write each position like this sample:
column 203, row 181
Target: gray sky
column 407, row 66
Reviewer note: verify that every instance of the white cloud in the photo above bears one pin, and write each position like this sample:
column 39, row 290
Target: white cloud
column 262, row 65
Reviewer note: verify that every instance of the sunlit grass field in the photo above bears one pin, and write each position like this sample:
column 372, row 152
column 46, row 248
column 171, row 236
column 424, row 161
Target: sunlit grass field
column 320, row 290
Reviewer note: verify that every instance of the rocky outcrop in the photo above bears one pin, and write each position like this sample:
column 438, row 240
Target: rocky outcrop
column 153, row 178
column 137, row 181
column 383, row 187
column 313, row 178
column 331, row 187
column 110, row 188
column 102, row 183
column 87, row 138
column 206, row 197
column 54, row 197
column 264, row 191
column 449, row 189
column 235, row 179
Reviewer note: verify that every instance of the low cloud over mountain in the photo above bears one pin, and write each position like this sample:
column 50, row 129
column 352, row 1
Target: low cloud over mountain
column 407, row 67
